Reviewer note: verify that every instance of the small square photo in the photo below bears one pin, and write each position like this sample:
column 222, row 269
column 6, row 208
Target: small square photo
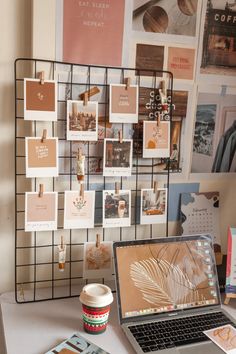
column 153, row 206
column 116, row 208
column 40, row 100
column 82, row 120
column 117, row 157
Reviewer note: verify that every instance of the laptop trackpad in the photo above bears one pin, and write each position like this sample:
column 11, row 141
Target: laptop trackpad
column 209, row 348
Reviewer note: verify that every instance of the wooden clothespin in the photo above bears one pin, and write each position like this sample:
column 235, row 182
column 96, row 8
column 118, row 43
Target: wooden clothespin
column 85, row 98
column 120, row 136
column 81, row 190
column 117, row 188
column 62, row 242
column 155, row 186
column 127, row 83
column 41, row 190
column 44, row 136
column 79, row 153
column 74, row 109
column 158, row 118
column 41, row 77
column 91, row 92
column 98, row 241
column 163, row 87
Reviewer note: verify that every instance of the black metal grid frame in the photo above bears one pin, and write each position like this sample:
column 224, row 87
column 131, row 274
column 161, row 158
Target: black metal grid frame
column 29, row 289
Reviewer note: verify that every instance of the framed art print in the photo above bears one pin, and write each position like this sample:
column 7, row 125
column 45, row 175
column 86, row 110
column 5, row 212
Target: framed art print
column 79, row 211
column 40, row 100
column 41, row 157
column 117, row 160
column 41, row 211
column 153, row 206
column 82, row 120
column 116, row 208
column 123, row 106
column 156, row 139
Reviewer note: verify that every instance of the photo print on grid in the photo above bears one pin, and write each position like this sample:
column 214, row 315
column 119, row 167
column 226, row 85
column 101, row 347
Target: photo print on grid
column 153, row 206
column 97, row 260
column 82, row 120
column 41, row 211
column 40, row 100
column 116, row 208
column 117, row 157
column 41, row 157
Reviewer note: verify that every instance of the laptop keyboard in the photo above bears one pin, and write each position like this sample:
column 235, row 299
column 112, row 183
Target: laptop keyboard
column 173, row 333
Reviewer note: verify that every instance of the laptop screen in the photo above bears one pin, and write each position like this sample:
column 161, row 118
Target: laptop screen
column 163, row 275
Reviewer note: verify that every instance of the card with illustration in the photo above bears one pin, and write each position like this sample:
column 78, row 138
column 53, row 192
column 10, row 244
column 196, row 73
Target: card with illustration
column 156, row 139
column 117, row 160
column 153, row 206
column 40, row 100
column 224, row 337
column 82, row 120
column 123, row 104
column 41, row 157
column 230, row 288
column 40, row 211
column 116, row 208
column 97, row 260
column 77, row 344
column 79, row 211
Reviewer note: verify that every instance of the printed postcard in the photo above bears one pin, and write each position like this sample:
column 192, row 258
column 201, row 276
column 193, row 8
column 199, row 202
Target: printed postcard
column 116, row 208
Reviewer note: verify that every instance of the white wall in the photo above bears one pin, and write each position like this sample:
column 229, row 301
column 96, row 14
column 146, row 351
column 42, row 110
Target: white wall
column 15, row 41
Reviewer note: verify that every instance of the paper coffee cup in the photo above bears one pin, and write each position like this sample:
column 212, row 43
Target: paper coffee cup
column 96, row 300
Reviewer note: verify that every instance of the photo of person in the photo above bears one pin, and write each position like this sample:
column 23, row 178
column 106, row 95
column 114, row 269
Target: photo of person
column 153, row 206
column 117, row 157
column 82, row 120
column 116, row 208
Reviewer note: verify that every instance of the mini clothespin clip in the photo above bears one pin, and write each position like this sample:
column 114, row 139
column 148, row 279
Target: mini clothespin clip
column 81, row 190
column 91, row 92
column 62, row 242
column 44, row 136
column 163, row 87
column 85, row 98
column 158, row 118
column 74, row 109
column 98, row 241
column 117, row 188
column 155, row 187
column 41, row 77
column 120, row 136
column 127, row 83
column 41, row 190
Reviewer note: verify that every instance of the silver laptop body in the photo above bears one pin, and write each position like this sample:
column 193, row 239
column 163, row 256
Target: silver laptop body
column 166, row 279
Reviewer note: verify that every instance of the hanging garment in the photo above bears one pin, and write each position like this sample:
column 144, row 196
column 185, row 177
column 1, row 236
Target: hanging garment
column 228, row 153
column 221, row 148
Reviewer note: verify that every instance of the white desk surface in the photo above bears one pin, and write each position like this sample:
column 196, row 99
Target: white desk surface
column 34, row 328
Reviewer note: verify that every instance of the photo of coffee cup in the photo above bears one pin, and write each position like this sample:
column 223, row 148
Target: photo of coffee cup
column 96, row 299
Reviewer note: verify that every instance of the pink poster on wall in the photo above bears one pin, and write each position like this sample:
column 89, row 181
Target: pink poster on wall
column 93, row 31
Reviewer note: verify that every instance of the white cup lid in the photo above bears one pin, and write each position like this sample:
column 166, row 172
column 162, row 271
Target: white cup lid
column 96, row 295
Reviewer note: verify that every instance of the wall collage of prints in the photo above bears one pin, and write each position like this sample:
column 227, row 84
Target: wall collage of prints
column 102, row 130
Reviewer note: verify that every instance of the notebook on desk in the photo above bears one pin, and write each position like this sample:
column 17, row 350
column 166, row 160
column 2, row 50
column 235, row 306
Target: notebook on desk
column 168, row 294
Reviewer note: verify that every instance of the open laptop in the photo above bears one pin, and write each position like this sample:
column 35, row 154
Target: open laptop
column 168, row 294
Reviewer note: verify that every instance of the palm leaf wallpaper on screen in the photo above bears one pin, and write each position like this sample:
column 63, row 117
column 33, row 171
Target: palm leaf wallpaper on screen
column 162, row 283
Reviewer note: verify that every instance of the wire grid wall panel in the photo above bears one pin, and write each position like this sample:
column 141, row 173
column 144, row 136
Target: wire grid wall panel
column 37, row 277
